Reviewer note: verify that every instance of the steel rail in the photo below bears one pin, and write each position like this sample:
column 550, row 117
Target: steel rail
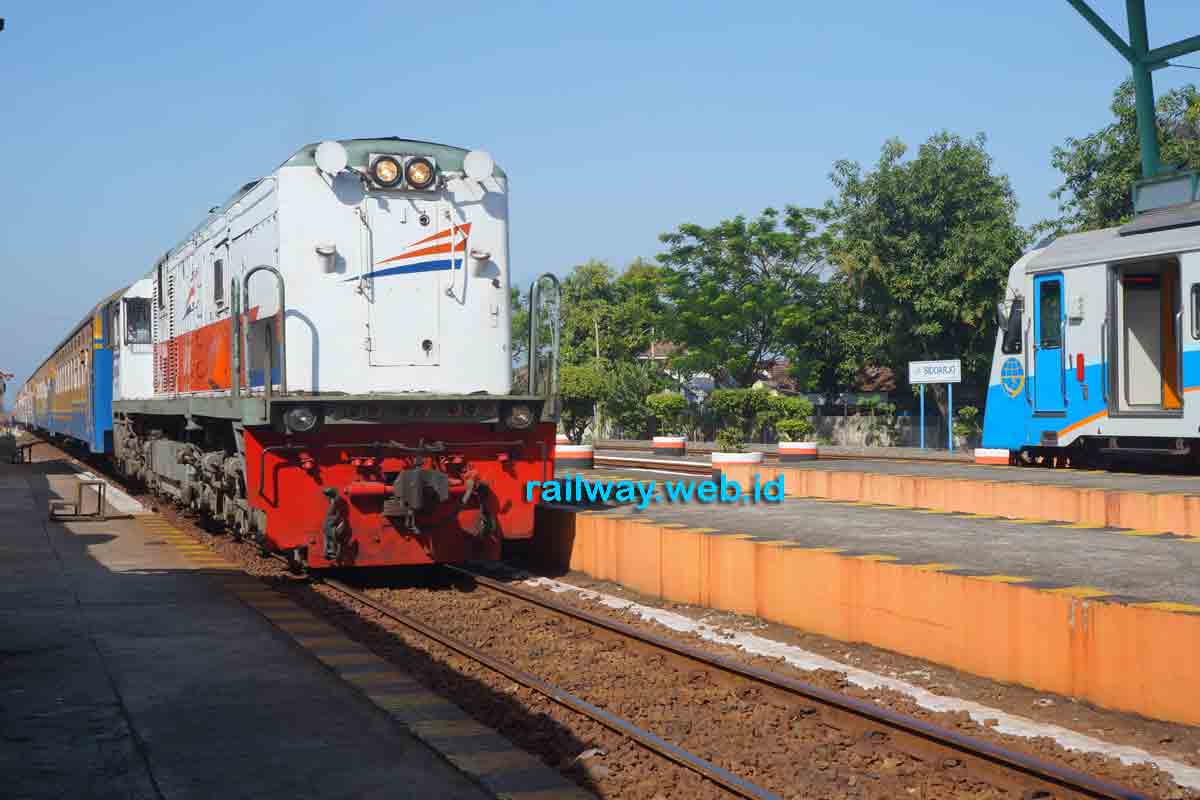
column 707, row 769
column 1031, row 769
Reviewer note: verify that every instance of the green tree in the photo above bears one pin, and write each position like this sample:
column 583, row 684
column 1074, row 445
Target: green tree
column 736, row 289
column 608, row 315
column 628, row 385
column 824, row 342
column 925, row 244
column 1099, row 169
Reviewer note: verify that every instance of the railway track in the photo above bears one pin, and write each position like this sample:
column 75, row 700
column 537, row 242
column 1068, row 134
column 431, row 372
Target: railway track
column 1027, row 776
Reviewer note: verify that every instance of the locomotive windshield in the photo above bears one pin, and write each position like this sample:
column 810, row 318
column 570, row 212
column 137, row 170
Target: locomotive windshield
column 137, row 321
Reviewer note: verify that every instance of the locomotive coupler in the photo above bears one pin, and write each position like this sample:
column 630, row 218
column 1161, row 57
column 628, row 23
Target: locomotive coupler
column 334, row 526
column 409, row 495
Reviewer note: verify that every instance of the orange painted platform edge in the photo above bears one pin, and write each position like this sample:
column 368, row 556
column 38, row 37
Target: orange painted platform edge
column 1123, row 657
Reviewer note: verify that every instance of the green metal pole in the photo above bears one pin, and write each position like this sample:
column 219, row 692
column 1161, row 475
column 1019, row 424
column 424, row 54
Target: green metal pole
column 1143, row 87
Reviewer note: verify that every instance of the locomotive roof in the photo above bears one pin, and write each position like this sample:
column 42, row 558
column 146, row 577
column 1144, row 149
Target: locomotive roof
column 1108, row 245
column 447, row 157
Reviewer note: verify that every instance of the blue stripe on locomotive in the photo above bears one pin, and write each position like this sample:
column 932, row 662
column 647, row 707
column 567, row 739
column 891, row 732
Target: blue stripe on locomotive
column 1009, row 422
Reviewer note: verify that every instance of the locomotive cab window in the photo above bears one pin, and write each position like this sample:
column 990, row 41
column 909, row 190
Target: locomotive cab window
column 1011, row 343
column 219, row 281
column 137, row 321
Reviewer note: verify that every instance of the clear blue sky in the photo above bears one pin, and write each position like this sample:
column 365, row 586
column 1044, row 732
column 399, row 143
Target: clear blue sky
column 616, row 121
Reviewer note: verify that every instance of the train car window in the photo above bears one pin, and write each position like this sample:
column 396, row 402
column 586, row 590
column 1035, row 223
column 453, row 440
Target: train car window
column 1011, row 343
column 137, row 321
column 219, row 281
column 1050, row 315
column 1196, row 310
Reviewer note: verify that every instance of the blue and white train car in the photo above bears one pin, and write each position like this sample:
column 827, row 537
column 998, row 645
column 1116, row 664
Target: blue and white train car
column 70, row 393
column 1098, row 353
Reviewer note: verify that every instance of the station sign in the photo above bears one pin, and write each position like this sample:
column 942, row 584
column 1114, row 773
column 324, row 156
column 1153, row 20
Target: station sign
column 935, row 371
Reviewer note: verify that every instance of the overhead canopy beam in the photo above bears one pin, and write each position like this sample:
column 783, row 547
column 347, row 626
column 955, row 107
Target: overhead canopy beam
column 1102, row 27
column 1143, row 61
column 1180, row 48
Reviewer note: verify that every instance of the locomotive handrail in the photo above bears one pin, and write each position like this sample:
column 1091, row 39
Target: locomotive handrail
column 1062, row 358
column 535, row 301
column 1025, row 353
column 1179, row 356
column 1104, row 359
column 280, row 326
column 235, row 340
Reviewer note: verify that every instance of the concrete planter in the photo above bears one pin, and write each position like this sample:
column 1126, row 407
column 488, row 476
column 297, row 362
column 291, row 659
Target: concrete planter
column 991, row 455
column 722, row 461
column 791, row 452
column 669, row 445
column 577, row 456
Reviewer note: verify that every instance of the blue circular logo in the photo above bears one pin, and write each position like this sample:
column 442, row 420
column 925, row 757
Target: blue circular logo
column 1012, row 376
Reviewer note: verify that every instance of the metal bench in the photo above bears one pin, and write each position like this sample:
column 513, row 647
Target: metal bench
column 65, row 510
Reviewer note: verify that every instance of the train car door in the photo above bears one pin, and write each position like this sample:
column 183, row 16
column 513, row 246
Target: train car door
column 1049, row 388
column 1148, row 345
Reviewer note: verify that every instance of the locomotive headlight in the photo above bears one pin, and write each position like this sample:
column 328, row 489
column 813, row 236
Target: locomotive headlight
column 419, row 173
column 386, row 171
column 300, row 419
column 520, row 416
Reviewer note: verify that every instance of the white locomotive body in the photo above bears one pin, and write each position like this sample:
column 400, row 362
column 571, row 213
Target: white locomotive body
column 325, row 362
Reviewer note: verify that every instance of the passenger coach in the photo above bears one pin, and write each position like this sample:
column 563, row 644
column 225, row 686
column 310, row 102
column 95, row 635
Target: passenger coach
column 1099, row 344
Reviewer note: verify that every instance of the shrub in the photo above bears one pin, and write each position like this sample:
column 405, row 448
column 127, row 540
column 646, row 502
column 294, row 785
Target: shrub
column 794, row 429
column 669, row 409
column 967, row 423
column 580, row 388
column 731, row 440
column 739, row 407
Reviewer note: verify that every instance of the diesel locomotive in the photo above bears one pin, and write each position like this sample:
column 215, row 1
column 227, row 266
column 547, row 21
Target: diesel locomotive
column 324, row 363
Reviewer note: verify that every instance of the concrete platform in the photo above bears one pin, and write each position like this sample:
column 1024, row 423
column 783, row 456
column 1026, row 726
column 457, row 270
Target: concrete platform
column 137, row 665
column 1105, row 614
column 1165, row 503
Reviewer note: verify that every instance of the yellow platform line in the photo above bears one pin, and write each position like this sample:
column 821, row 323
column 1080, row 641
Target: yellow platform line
column 1002, row 578
column 1022, row 521
column 1081, row 525
column 1186, row 608
column 1135, row 532
column 877, row 557
column 934, row 567
column 1084, row 592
